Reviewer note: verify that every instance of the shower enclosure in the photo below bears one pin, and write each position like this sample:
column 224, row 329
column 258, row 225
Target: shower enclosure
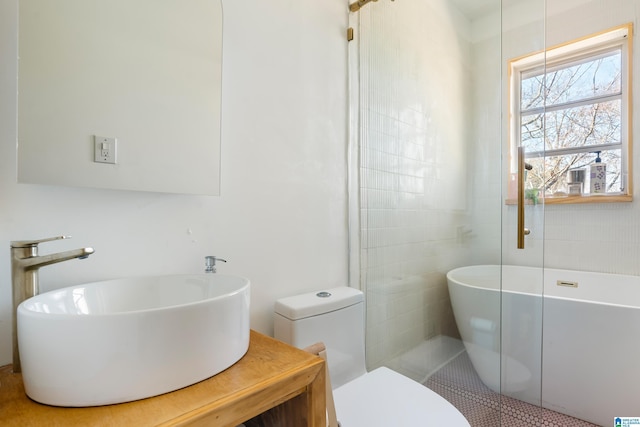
column 443, row 94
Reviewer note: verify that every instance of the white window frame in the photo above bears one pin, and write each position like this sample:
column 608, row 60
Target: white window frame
column 585, row 48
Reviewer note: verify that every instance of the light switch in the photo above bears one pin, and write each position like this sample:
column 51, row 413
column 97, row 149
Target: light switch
column 105, row 149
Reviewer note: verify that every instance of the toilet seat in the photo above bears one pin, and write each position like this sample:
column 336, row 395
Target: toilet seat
column 383, row 398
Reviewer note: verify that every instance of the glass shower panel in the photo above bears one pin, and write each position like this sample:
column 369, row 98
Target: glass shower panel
column 414, row 61
column 430, row 192
column 447, row 93
column 414, row 79
column 582, row 240
column 523, row 34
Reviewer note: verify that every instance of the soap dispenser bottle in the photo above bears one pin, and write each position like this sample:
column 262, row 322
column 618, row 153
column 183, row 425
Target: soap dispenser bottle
column 598, row 175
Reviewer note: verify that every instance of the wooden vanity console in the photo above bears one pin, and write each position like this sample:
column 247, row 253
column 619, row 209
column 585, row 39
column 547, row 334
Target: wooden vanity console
column 270, row 374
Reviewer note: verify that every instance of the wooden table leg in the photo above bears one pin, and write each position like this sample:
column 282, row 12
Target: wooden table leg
column 317, row 401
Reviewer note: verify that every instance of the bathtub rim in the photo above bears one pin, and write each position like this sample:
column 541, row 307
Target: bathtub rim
column 549, row 277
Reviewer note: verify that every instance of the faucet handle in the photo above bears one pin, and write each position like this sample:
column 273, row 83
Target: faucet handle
column 32, row 243
column 210, row 263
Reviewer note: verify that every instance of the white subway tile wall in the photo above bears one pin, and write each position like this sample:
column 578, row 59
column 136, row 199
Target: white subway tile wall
column 415, row 89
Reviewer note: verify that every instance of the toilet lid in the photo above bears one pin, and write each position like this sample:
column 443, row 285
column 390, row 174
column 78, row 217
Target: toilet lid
column 383, row 398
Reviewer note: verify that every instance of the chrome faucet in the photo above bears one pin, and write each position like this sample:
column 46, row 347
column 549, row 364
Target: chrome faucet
column 25, row 263
column 210, row 263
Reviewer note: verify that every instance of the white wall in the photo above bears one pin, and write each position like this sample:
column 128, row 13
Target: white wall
column 281, row 219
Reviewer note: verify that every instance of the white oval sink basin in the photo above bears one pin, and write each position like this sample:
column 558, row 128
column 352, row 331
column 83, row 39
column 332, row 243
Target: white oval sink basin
column 127, row 339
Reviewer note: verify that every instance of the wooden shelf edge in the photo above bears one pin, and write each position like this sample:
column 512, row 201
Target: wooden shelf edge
column 253, row 401
column 605, row 198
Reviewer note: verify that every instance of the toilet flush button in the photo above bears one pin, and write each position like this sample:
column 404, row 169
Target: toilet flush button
column 323, row 294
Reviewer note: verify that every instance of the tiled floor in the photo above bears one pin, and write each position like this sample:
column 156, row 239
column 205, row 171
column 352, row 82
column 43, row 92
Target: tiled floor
column 459, row 384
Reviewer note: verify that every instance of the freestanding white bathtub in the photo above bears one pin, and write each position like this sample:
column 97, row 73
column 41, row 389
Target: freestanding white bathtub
column 567, row 340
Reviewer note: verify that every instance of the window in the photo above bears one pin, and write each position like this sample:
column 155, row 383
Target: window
column 568, row 104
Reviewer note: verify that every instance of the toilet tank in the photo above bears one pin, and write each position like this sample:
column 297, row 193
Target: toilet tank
column 335, row 317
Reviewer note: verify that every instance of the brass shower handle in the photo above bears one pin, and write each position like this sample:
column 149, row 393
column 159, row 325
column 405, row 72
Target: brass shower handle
column 522, row 231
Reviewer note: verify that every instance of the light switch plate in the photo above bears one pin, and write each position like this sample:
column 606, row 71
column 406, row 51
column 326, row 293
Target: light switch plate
column 105, row 149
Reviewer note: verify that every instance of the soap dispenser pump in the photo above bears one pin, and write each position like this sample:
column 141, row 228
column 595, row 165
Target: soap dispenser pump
column 598, row 175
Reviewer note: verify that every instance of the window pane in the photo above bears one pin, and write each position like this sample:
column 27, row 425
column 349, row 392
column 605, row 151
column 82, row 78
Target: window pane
column 585, row 125
column 597, row 77
column 531, row 94
column 550, row 173
column 532, row 132
column 572, row 83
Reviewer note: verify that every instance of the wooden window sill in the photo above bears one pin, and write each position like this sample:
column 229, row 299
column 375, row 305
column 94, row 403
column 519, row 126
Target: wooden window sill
column 566, row 200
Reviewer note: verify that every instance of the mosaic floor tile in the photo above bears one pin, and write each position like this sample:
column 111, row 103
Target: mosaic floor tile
column 459, row 384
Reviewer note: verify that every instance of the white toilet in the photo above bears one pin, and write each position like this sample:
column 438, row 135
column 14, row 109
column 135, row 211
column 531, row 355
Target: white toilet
column 380, row 398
